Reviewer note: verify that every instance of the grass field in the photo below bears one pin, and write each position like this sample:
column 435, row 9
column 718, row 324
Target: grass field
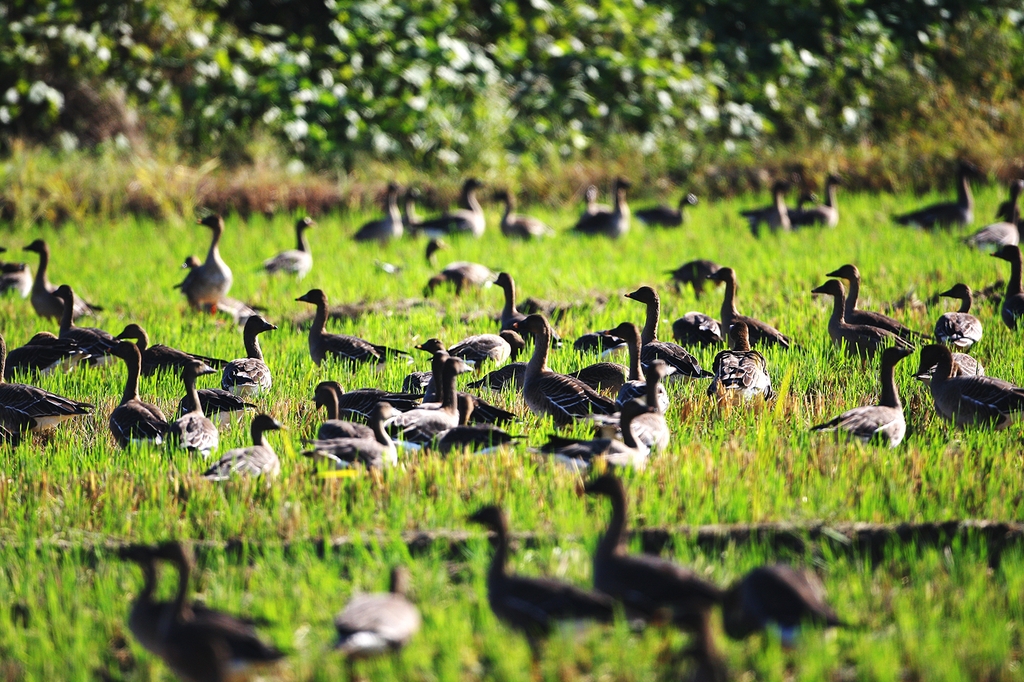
column 922, row 613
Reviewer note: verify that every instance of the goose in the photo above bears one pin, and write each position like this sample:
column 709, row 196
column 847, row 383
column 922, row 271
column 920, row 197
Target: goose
column 851, row 274
column 211, row 281
column 44, row 353
column 969, row 400
column 697, row 329
column 776, row 596
column 423, row 424
column 249, row 376
column 472, row 437
column 509, row 313
column 28, row 408
column 373, row 452
column 326, row 395
column 708, row 663
column 602, row 376
column 859, row 339
column 775, row 216
column 360, row 403
column 483, row 412
column 511, row 374
column 959, row 329
column 96, row 342
column 533, row 606
column 193, row 431
column 826, row 214
column 579, row 454
column 645, row 585
column 759, row 332
column 133, row 420
column 696, row 273
column 652, row 349
column 883, row 422
column 297, row 261
column 390, row 226
column 517, row 225
column 185, row 286
column 467, row 219
column 1005, row 232
column 44, row 299
column 259, row 459
column 666, row 216
column 547, row 393
column 636, row 386
column 352, row 349
column 1013, row 301
column 598, row 342
column 946, row 214
column 372, row 624
column 221, row 406
column 963, row 366
column 409, row 217
column 592, row 207
column 740, row 370
column 650, row 427
column 613, row 223
column 15, row 277
column 461, row 274
column 480, row 348
column 160, row 357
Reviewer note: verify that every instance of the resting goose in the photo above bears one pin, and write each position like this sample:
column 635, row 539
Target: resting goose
column 579, row 454
column 1005, row 232
column 483, row 412
column 160, row 357
column 852, row 315
column 133, row 420
column 193, row 430
column 685, row 364
column 740, row 371
column 44, row 353
column 859, row 339
column 883, row 422
column 249, row 376
column 480, row 348
column 969, row 400
column 221, row 406
column 259, row 459
column 96, row 342
column 326, row 395
column 650, row 427
column 16, row 277
column 533, row 606
column 511, row 374
column 423, row 424
column 666, row 216
column 602, row 376
column 373, row 624
column 645, row 585
column 613, row 223
column 517, row 225
column 207, row 284
column 324, row 346
column 598, row 342
column 963, row 366
column 547, row 393
column 696, row 273
column 461, row 274
column 959, row 329
column 826, row 214
column 759, row 332
column 592, row 205
column 360, row 403
column 373, row 451
column 390, row 226
column 697, row 329
column 1013, row 301
column 471, row 437
column 297, row 261
column 636, row 385
column 776, row 217
column 946, row 214
column 44, row 299
column 467, row 219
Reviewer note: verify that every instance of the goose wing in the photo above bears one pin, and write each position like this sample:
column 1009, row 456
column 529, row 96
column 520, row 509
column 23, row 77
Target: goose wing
column 421, row 425
column 343, row 453
column 990, row 399
column 743, row 371
column 292, row 260
column 251, row 373
column 482, row 347
column 997, row 234
column 359, row 404
column 962, row 330
column 213, row 402
column 697, row 329
column 940, row 214
column 538, row 602
column 571, row 397
column 194, row 431
column 509, row 375
column 23, row 402
column 161, row 357
column 351, row 348
column 255, row 460
column 137, row 421
column 873, row 319
column 866, row 422
column 676, row 356
column 376, row 622
column 43, row 354
column 96, row 342
column 339, row 428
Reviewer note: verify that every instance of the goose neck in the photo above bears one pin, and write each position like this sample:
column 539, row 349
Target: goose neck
column 616, row 531
column 539, row 360
column 838, row 317
column 213, row 254
column 943, row 369
column 67, row 315
column 510, row 299
column 3, row 358
column 729, row 304
column 635, row 373
column 852, row 296
column 380, row 433
column 330, row 401
column 652, row 391
column 44, row 263
column 131, row 384
column 470, row 201
column 966, row 301
column 890, row 394
column 252, row 345
column 180, row 608
column 301, row 241
column 964, row 198
column 626, row 424
column 1013, row 287
column 831, row 195
column 497, row 568
column 191, row 391
column 449, row 392
column 650, row 332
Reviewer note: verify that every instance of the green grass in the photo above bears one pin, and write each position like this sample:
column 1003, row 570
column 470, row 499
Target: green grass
column 925, row 614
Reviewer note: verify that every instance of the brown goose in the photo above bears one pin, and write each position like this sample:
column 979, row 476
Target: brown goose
column 602, row 376
column 160, row 357
column 259, row 459
column 650, row 427
column 326, row 395
column 470, row 437
column 509, row 314
column 44, row 353
column 776, row 596
column 666, row 216
column 390, row 226
column 759, row 332
column 533, row 605
column 636, row 386
column 461, row 274
column 969, row 400
column 480, row 348
column 191, row 264
column 467, row 219
column 297, row 261
column 1006, row 231
column 776, row 217
column 96, row 342
column 685, row 364
column 374, row 451
column 580, row 455
column 16, row 277
column 193, row 430
column 44, row 299
column 740, row 371
column 323, row 346
column 207, row 284
column 223, row 407
column 360, row 403
column 511, row 374
column 696, row 273
column 423, row 424
column 135, row 421
column 249, row 376
column 645, row 585
column 483, row 412
column 28, row 408
column 859, row 339
column 1013, row 301
column 520, row 226
column 826, row 214
column 614, row 223
column 883, row 422
column 373, row 624
column 947, row 214
column 697, row 329
column 548, row 393
column 959, row 329
column 851, row 274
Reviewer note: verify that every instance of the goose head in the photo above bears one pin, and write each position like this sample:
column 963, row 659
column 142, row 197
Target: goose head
column 723, row 275
column 431, row 346
column 644, row 294
column 214, row 221
column 314, row 296
column 607, row 485
column 533, row 324
column 257, row 324
column 491, row 517
column 1009, row 253
column 832, row 287
column 38, row 246
column 513, row 339
column 959, row 290
column 304, row 223
column 932, row 355
column 848, row 272
column 627, row 331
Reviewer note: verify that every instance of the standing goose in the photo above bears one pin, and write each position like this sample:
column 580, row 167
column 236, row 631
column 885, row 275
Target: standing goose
column 946, row 214
column 860, row 339
column 191, row 264
column 776, row 217
column 650, row 427
column 969, row 400
column 614, row 223
column 697, row 329
column 193, row 430
column 219, row 405
column 1006, row 231
column 44, row 353
column 759, row 332
column 323, row 346
column 96, row 342
column 423, row 424
column 360, row 403
column 467, row 219
column 326, row 395
column 883, row 422
column 509, row 313
column 517, row 225
column 44, row 299
column 297, row 261
column 852, row 315
column 259, row 459
column 652, row 349
column 373, row 624
column 390, row 226
column 548, row 393
column 1013, row 301
column 160, row 357
column 826, row 214
column 133, row 420
column 741, row 370
column 636, row 386
column 646, row 585
column 696, row 273
column 249, row 376
column 16, row 277
column 472, row 437
column 533, row 606
column 373, row 452
column 207, row 284
column 579, row 454
column 959, row 329
column 666, row 216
